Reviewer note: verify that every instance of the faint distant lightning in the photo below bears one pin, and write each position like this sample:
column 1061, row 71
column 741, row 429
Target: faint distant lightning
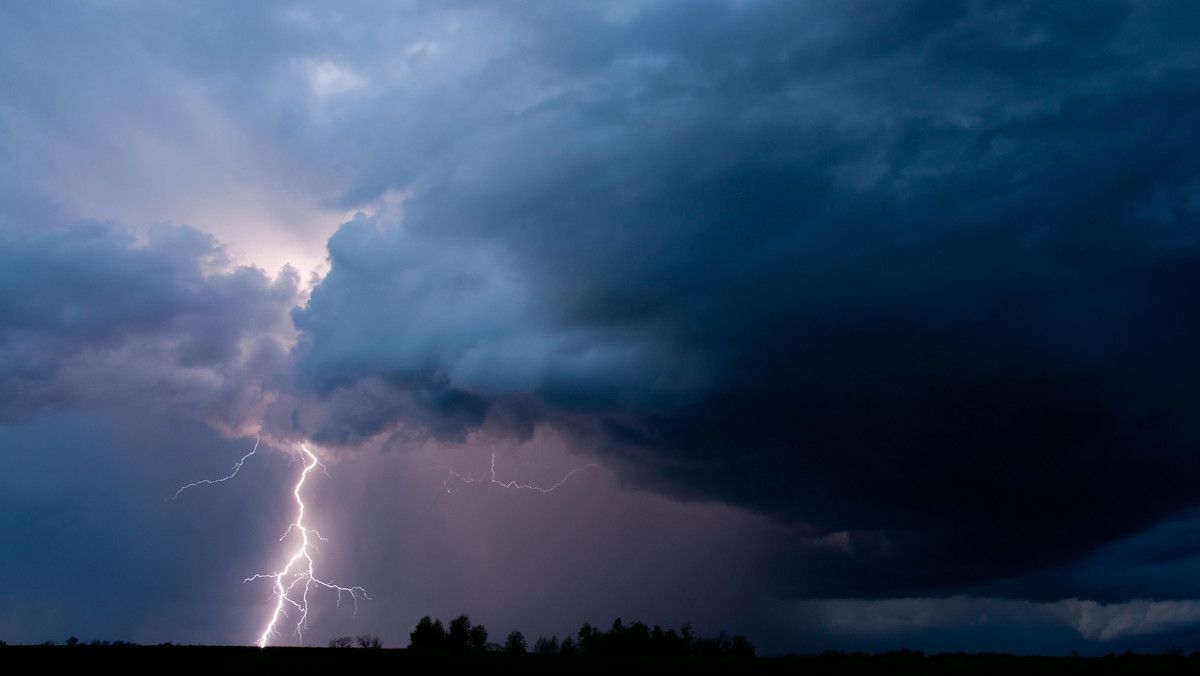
column 466, row 477
column 298, row 577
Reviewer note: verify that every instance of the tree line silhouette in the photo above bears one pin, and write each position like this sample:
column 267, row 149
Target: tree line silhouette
column 363, row 641
column 637, row 638
column 430, row 635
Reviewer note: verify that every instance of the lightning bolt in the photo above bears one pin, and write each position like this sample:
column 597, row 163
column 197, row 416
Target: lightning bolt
column 468, row 478
column 294, row 582
column 237, row 466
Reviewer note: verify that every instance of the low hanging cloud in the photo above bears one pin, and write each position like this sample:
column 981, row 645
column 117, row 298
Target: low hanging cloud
column 1092, row 621
column 934, row 293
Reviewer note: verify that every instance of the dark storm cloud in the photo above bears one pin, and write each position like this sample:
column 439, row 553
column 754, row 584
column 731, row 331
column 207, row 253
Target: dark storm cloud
column 923, row 275
column 1158, row 563
column 91, row 317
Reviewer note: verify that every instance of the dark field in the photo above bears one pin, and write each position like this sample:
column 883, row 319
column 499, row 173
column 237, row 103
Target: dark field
column 207, row 660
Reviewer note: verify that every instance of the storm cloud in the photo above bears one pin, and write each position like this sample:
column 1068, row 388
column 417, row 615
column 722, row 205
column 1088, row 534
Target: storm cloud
column 899, row 298
column 91, row 316
column 923, row 275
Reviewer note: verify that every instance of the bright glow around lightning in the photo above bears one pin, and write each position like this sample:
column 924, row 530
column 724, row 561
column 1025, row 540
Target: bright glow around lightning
column 294, row 582
column 296, row 579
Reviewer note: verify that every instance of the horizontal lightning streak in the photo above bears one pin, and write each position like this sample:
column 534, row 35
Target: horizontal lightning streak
column 466, row 477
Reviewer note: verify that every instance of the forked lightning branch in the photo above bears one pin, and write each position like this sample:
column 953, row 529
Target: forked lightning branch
column 293, row 583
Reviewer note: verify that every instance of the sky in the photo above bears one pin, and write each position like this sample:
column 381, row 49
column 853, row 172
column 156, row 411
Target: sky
column 858, row 325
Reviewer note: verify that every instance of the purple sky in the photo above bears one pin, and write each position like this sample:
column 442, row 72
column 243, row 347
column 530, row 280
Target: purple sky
column 877, row 320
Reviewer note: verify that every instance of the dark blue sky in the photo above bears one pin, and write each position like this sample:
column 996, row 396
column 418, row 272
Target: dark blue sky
column 878, row 318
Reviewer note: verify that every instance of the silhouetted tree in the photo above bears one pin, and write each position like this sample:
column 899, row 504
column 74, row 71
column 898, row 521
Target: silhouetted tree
column 590, row 639
column 477, row 638
column 567, row 647
column 460, row 633
column 342, row 642
column 369, row 641
column 515, row 643
column 72, row 641
column 689, row 637
column 428, row 635
column 545, row 646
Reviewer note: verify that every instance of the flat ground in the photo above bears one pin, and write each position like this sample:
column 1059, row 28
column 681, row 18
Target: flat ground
column 207, row 660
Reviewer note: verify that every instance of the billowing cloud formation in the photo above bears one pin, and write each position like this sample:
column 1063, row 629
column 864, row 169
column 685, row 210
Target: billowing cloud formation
column 921, row 277
column 91, row 317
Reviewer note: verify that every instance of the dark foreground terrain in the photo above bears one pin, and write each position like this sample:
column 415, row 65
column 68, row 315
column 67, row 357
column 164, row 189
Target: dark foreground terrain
column 207, row 660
